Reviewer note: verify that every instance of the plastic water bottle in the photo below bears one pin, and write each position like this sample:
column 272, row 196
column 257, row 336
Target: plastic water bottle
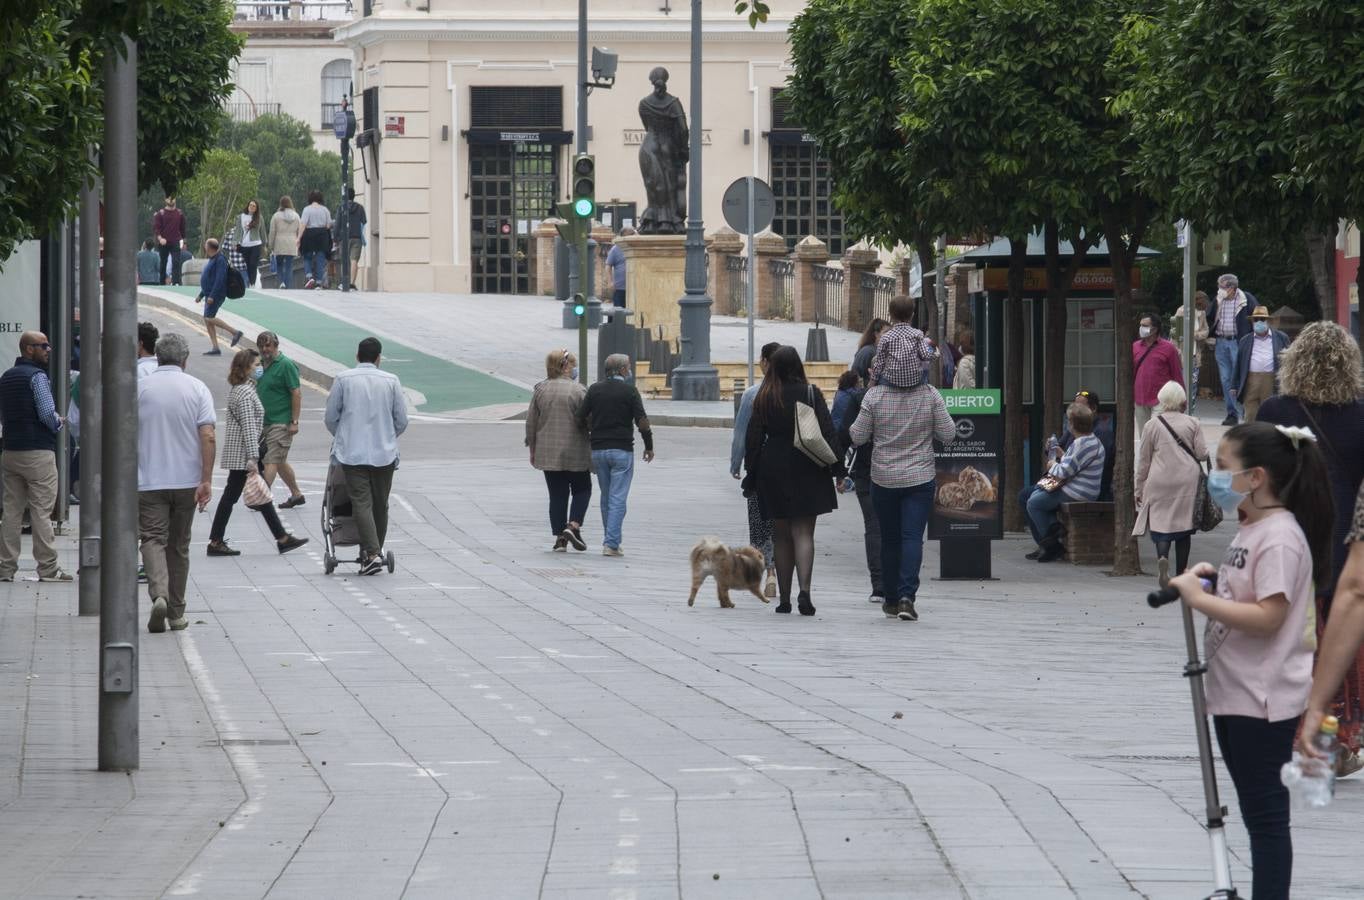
column 1312, row 782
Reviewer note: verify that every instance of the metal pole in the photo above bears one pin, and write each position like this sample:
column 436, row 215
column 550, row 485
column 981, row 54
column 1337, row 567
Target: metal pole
column 60, row 370
column 343, row 222
column 118, row 698
column 582, row 87
column 1190, row 274
column 695, row 378
column 940, row 301
column 752, row 277
column 1194, row 670
column 92, row 422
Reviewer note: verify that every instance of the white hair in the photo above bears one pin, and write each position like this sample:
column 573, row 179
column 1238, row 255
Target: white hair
column 1172, row 397
column 616, row 363
column 1228, row 280
column 171, row 350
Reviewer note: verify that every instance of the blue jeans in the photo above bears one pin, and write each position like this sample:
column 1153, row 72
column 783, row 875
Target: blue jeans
column 1226, row 352
column 315, row 265
column 903, row 516
column 615, row 469
column 284, row 270
column 1042, row 506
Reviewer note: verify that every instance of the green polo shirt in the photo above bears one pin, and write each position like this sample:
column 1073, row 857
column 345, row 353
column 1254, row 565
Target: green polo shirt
column 276, row 388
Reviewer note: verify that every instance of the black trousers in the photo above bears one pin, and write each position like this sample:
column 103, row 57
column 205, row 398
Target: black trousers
column 236, row 480
column 172, row 252
column 561, row 485
column 1254, row 750
column 251, row 256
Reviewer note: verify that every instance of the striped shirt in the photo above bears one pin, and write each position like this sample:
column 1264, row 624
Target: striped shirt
column 1082, row 468
column 903, row 423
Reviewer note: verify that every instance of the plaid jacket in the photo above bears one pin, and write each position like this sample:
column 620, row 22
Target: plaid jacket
column 557, row 442
column 241, row 439
column 901, row 354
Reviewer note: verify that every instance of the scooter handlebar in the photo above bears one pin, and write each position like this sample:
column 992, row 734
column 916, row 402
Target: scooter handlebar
column 1167, row 595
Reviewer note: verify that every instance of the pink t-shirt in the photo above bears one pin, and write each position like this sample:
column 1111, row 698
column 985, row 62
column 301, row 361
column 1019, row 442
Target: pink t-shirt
column 1264, row 677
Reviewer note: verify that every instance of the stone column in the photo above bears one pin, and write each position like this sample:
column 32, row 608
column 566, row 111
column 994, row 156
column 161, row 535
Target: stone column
column 958, row 300
column 767, row 245
column 721, row 243
column 857, row 307
column 810, row 252
column 904, row 276
column 545, row 234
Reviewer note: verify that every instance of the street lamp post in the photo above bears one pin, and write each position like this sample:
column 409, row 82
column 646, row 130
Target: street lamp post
column 695, row 378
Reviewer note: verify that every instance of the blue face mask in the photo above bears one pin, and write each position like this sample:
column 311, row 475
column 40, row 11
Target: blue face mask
column 1261, row 327
column 258, row 372
column 1221, row 491
column 574, row 376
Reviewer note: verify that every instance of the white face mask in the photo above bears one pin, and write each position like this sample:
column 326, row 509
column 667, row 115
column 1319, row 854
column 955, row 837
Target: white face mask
column 1144, row 331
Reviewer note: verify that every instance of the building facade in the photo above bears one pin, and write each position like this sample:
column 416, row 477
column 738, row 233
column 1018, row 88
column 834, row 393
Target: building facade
column 468, row 114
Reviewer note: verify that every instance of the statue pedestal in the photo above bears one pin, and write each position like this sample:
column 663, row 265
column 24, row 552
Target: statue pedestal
column 654, row 265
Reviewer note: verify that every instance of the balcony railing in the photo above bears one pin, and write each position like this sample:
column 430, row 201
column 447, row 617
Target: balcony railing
column 293, row 11
column 247, row 111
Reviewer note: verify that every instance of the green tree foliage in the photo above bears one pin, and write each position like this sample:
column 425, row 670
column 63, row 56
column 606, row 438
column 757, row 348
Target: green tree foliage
column 281, row 151
column 51, row 72
column 222, row 184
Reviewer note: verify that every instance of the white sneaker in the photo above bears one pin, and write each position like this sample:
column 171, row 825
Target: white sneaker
column 156, row 623
column 611, row 551
column 877, row 598
column 58, row 575
column 179, row 624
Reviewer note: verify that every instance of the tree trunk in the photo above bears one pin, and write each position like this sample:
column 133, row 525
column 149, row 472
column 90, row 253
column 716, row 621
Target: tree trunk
column 1122, row 254
column 1321, row 253
column 1013, row 385
column 1060, row 278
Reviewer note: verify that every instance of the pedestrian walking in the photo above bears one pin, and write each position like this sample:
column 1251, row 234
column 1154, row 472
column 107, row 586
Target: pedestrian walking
column 1321, row 380
column 281, row 396
column 148, row 264
column 176, row 437
column 608, row 411
column 28, row 415
column 241, row 449
column 168, row 228
column 866, row 348
column 1155, row 361
column 251, row 237
column 213, row 294
column 1259, row 651
column 615, row 261
column 902, row 424
column 355, row 229
column 1072, row 474
column 1169, row 469
column 315, row 243
column 793, row 490
column 147, row 335
column 965, row 376
column 859, row 470
column 1200, row 337
column 1257, row 363
column 366, row 412
column 1343, row 640
column 848, row 384
column 1228, row 322
column 286, row 230
column 759, row 526
column 559, row 447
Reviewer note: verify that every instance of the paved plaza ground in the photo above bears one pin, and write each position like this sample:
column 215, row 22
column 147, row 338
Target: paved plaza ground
column 498, row 721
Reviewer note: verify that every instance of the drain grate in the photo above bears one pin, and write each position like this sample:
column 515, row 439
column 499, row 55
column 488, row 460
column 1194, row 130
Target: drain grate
column 559, row 573
column 1139, row 758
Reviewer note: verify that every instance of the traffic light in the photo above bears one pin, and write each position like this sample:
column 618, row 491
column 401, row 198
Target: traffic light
column 579, row 304
column 584, row 186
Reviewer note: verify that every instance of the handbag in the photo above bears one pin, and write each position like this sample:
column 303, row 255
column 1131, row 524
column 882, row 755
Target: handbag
column 256, row 492
column 1050, row 483
column 809, row 438
column 1206, row 514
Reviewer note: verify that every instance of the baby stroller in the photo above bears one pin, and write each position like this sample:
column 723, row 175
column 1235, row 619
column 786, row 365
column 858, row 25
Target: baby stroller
column 338, row 525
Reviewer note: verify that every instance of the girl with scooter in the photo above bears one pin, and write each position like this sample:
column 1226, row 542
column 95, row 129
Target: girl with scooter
column 1260, row 634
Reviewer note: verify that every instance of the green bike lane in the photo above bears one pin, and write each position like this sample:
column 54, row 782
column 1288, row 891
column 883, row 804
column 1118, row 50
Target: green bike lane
column 446, row 385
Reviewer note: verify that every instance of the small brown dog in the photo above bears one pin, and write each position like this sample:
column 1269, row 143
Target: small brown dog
column 742, row 567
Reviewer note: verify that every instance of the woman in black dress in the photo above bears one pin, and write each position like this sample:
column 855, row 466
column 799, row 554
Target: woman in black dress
column 792, row 490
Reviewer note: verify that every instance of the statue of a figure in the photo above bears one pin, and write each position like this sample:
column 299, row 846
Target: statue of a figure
column 663, row 156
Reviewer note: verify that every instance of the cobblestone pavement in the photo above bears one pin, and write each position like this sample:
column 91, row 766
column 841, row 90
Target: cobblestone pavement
column 498, row 721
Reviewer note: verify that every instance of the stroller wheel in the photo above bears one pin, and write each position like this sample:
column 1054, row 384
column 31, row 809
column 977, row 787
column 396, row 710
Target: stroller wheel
column 388, row 560
column 328, row 564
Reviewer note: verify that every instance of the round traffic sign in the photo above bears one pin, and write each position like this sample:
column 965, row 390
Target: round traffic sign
column 735, row 205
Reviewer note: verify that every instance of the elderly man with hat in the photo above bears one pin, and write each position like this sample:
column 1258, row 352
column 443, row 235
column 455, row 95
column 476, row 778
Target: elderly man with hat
column 1257, row 362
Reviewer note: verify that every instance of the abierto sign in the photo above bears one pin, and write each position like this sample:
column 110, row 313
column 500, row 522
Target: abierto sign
column 966, row 499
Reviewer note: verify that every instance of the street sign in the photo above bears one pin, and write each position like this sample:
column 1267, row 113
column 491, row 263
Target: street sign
column 735, row 205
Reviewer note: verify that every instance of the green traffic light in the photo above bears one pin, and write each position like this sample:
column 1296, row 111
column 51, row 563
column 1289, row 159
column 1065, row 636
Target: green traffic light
column 582, row 207
column 578, row 309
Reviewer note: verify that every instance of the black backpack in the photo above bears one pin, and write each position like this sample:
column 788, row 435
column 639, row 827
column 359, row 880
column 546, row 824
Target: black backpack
column 236, row 284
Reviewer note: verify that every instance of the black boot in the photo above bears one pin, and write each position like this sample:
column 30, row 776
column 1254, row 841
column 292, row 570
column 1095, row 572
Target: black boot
column 806, row 607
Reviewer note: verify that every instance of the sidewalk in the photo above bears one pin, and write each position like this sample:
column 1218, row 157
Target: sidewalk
column 472, row 356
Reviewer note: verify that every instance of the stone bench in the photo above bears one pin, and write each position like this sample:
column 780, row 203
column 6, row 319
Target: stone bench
column 1089, row 532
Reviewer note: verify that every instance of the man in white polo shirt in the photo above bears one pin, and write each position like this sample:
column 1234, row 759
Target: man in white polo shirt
column 175, row 448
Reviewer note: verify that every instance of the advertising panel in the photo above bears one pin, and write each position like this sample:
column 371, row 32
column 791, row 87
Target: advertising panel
column 967, row 501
